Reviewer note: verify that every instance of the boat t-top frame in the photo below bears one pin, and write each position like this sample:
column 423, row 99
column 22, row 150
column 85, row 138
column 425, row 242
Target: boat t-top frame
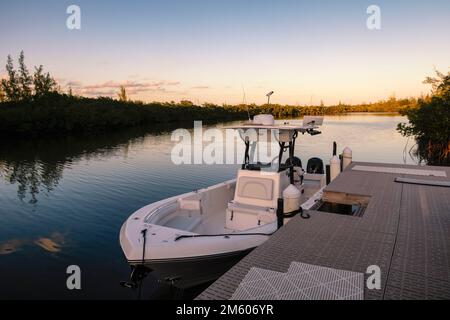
column 287, row 135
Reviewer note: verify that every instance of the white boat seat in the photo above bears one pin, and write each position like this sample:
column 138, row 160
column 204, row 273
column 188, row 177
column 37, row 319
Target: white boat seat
column 190, row 205
column 184, row 223
column 255, row 188
column 260, row 188
column 236, row 206
column 244, row 217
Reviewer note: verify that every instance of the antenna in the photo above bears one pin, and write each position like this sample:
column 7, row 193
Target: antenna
column 244, row 101
column 268, row 97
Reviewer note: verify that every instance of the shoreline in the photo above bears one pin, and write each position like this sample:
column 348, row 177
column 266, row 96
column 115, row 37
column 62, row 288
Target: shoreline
column 59, row 114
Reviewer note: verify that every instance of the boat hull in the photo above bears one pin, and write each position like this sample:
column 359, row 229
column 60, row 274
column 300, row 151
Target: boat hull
column 185, row 273
column 187, row 254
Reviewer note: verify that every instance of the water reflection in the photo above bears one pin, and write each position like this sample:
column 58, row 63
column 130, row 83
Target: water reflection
column 53, row 243
column 37, row 166
column 11, row 246
column 31, row 177
column 83, row 188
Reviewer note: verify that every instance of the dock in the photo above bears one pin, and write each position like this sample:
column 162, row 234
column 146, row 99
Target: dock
column 405, row 230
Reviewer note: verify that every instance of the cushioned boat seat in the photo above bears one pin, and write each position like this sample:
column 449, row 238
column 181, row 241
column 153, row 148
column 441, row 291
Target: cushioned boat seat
column 255, row 198
column 255, row 188
column 243, row 217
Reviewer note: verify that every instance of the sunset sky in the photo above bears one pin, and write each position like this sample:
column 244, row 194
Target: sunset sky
column 206, row 51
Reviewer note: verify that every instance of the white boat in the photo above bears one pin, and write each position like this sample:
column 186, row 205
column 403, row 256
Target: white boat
column 195, row 237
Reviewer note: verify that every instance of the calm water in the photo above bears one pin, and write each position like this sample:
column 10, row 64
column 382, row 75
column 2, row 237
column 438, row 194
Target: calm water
column 62, row 202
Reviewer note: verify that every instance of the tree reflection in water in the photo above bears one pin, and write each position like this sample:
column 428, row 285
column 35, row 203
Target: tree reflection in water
column 36, row 166
column 31, row 177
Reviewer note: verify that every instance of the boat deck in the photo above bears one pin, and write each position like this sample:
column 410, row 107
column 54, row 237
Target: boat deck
column 405, row 230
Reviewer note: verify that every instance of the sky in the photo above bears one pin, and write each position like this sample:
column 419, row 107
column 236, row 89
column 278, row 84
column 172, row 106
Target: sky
column 217, row 50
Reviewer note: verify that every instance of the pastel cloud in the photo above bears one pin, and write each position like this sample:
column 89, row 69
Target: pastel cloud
column 200, row 87
column 74, row 84
column 111, row 88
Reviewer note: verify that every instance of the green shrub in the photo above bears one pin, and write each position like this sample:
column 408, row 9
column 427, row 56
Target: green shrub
column 429, row 123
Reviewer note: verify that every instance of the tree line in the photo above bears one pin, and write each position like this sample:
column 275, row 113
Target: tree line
column 23, row 86
column 34, row 104
column 290, row 111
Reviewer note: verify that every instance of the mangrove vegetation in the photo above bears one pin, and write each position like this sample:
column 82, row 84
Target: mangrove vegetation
column 429, row 122
column 33, row 104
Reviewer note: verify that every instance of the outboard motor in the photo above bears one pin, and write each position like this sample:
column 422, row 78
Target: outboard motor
column 315, row 165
